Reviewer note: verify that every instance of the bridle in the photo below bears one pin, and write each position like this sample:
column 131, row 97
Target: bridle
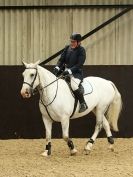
column 33, row 91
column 42, row 90
column 31, row 85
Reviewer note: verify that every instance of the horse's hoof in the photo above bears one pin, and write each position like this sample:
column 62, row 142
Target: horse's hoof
column 45, row 154
column 111, row 147
column 87, row 151
column 73, row 152
column 88, row 148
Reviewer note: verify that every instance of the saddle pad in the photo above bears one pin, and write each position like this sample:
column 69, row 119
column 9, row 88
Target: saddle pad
column 87, row 87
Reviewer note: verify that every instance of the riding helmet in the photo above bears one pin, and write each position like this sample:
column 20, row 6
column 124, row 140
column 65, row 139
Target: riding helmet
column 76, row 37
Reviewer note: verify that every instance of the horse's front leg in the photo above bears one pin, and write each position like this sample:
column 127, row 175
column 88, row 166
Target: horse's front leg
column 48, row 127
column 65, row 130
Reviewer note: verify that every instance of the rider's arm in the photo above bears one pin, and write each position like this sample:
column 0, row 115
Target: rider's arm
column 81, row 59
column 61, row 61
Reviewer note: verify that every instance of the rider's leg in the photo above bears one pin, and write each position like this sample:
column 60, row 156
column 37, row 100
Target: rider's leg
column 78, row 91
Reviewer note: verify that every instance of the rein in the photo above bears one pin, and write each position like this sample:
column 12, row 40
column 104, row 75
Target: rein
column 53, row 98
column 51, row 82
column 41, row 100
column 31, row 85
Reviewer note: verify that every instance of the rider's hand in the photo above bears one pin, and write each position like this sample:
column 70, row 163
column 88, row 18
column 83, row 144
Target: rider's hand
column 56, row 70
column 67, row 72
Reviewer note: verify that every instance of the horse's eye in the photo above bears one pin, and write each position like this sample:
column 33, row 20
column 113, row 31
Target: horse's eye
column 32, row 75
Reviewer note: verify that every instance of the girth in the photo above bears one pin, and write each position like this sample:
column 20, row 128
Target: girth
column 72, row 92
column 75, row 103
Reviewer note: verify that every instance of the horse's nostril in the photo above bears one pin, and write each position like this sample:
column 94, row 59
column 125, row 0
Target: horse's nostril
column 27, row 90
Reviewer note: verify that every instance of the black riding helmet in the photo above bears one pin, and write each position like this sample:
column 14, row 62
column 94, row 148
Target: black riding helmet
column 76, row 37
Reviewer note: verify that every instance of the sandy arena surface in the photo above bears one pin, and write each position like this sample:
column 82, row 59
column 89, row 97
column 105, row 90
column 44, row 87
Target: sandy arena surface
column 21, row 158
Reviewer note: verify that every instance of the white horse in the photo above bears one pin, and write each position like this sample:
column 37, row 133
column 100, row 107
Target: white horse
column 57, row 104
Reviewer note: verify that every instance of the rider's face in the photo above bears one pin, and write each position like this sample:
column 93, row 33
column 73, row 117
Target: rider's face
column 74, row 43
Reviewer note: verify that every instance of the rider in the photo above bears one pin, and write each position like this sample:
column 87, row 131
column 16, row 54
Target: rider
column 70, row 64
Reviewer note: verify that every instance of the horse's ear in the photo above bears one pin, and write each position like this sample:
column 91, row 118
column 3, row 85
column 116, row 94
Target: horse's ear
column 37, row 63
column 24, row 63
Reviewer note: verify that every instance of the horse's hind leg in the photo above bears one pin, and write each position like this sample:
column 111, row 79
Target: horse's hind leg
column 91, row 141
column 48, row 127
column 99, row 124
column 65, row 130
column 108, row 133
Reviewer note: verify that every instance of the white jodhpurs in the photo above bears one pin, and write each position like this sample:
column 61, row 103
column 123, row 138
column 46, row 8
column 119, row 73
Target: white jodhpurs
column 75, row 83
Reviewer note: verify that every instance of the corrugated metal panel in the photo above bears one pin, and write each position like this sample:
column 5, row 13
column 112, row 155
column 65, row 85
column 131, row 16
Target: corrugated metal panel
column 2, row 31
column 124, row 39
column 101, row 46
column 37, row 34
column 62, row 2
column 58, row 28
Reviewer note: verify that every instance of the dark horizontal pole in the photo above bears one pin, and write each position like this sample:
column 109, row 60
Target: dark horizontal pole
column 52, row 57
column 90, row 33
column 21, row 7
column 106, row 23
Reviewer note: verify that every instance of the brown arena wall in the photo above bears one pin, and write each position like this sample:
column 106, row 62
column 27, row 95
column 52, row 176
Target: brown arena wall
column 20, row 118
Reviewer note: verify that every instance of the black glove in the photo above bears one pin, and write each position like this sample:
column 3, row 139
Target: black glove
column 65, row 73
column 56, row 71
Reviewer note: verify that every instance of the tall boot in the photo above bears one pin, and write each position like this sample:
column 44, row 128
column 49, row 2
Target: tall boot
column 79, row 95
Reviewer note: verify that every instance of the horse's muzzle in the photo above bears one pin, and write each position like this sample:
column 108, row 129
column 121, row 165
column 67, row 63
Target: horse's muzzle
column 25, row 93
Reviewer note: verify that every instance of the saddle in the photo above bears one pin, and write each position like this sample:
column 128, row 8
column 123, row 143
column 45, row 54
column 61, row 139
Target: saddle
column 88, row 89
column 85, row 87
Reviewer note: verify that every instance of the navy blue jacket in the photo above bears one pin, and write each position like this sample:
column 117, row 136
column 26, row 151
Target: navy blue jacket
column 73, row 59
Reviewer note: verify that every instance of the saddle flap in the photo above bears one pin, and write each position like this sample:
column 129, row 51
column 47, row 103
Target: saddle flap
column 88, row 89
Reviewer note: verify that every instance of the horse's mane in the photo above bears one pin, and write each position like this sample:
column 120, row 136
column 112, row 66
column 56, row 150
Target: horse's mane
column 49, row 73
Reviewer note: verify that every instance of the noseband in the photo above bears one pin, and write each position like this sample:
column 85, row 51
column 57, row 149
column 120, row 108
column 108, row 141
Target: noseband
column 31, row 85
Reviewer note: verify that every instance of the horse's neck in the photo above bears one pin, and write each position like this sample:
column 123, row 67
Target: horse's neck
column 47, row 91
column 46, row 77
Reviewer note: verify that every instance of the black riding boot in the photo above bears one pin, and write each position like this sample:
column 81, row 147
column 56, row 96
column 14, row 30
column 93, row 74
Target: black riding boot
column 79, row 95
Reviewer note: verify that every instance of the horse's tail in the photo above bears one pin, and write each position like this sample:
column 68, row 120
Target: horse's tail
column 114, row 109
